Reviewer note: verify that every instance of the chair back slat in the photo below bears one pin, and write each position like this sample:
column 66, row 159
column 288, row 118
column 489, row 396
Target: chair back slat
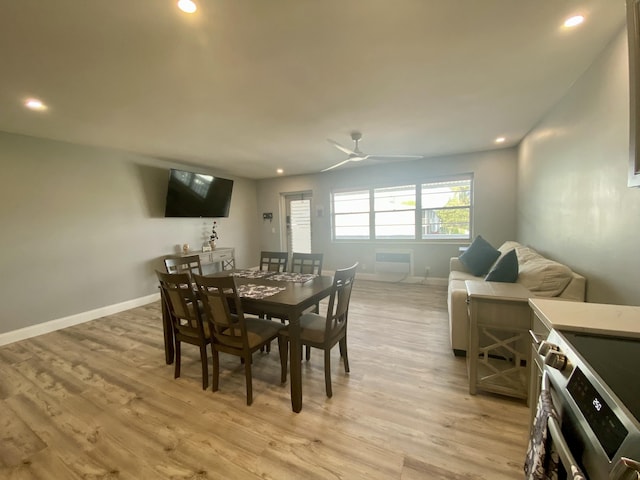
column 274, row 261
column 307, row 263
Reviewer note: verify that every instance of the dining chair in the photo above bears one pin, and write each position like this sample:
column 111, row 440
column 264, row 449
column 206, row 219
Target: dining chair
column 274, row 261
column 233, row 333
column 306, row 263
column 188, row 325
column 324, row 332
column 183, row 264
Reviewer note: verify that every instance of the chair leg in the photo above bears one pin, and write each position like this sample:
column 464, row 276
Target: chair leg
column 205, row 367
column 247, row 374
column 216, row 370
column 283, row 347
column 343, row 353
column 327, row 372
column 176, row 372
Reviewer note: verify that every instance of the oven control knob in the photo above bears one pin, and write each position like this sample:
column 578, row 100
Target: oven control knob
column 557, row 360
column 545, row 347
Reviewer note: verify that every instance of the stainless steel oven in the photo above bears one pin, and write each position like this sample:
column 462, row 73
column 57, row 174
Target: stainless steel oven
column 594, row 382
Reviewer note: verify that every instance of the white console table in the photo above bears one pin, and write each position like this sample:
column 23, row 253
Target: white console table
column 216, row 260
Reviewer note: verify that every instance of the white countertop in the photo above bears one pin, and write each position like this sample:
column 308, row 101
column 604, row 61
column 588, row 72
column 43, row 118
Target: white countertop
column 598, row 318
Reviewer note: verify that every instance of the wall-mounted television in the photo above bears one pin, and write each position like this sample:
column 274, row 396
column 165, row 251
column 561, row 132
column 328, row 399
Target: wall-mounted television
column 192, row 194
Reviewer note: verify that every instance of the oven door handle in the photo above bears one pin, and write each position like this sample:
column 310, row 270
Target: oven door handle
column 556, row 433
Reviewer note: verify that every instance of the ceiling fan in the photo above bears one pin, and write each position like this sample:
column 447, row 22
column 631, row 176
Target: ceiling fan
column 356, row 155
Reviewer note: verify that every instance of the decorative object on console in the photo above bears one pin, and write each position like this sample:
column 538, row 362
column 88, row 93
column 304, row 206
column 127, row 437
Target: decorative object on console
column 214, row 235
column 479, row 257
column 185, row 248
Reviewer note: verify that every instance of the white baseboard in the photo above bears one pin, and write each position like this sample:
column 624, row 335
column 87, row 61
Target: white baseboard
column 60, row 323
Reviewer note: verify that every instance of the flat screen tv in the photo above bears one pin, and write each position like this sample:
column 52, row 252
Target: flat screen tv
column 192, row 194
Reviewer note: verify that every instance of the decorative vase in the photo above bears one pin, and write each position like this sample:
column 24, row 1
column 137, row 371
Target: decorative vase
column 213, row 244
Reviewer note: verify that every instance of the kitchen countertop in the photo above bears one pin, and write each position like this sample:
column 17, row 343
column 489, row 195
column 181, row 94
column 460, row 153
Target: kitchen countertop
column 597, row 318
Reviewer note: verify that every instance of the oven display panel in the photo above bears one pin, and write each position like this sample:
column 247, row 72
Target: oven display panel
column 604, row 423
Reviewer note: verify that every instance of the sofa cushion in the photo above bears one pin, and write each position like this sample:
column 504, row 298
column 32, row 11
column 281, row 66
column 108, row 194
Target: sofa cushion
column 458, row 275
column 526, row 254
column 479, row 257
column 508, row 246
column 544, row 277
column 505, row 269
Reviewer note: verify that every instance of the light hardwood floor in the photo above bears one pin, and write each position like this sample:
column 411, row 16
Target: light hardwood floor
column 96, row 401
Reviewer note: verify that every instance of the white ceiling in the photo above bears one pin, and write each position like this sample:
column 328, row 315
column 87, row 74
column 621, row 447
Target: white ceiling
column 247, row 86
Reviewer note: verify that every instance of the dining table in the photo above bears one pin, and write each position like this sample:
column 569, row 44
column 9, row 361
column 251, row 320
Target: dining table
column 294, row 293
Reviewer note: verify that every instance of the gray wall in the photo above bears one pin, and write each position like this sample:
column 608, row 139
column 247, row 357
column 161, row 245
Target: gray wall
column 494, row 215
column 83, row 228
column 574, row 204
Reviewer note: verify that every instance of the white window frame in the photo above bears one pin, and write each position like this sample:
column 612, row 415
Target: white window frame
column 386, row 209
column 455, row 229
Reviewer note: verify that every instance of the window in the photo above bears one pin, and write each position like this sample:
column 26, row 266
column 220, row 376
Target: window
column 446, row 209
column 439, row 209
column 351, row 215
column 395, row 212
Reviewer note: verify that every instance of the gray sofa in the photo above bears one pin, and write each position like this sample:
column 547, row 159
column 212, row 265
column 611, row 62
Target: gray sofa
column 543, row 277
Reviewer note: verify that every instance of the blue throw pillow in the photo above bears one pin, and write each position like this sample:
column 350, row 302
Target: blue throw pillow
column 479, row 257
column 506, row 270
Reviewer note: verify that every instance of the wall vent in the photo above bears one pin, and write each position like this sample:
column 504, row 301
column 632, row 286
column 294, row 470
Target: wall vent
column 394, row 262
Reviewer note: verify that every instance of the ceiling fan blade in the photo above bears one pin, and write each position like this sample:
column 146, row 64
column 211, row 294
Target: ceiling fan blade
column 382, row 157
column 340, row 147
column 336, row 165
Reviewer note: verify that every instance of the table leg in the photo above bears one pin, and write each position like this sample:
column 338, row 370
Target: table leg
column 472, row 351
column 167, row 327
column 295, row 359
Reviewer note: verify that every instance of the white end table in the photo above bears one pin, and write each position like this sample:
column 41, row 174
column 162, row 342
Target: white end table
column 498, row 358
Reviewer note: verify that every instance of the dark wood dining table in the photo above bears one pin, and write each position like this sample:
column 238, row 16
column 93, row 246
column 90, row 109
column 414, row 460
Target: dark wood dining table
column 290, row 303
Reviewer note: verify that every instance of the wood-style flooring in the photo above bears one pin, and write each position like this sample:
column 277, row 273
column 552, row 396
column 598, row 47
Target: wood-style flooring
column 97, row 401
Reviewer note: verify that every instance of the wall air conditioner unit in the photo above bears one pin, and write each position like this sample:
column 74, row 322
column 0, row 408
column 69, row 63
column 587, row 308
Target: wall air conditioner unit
column 394, row 261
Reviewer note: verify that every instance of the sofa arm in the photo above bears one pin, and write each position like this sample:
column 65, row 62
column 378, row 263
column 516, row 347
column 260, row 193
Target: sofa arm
column 455, row 265
column 576, row 289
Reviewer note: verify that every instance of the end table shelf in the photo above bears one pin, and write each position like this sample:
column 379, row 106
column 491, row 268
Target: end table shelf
column 500, row 319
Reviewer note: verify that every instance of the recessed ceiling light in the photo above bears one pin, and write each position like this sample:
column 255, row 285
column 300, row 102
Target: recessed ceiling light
column 573, row 21
column 500, row 140
column 279, row 171
column 35, row 104
column 187, row 6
